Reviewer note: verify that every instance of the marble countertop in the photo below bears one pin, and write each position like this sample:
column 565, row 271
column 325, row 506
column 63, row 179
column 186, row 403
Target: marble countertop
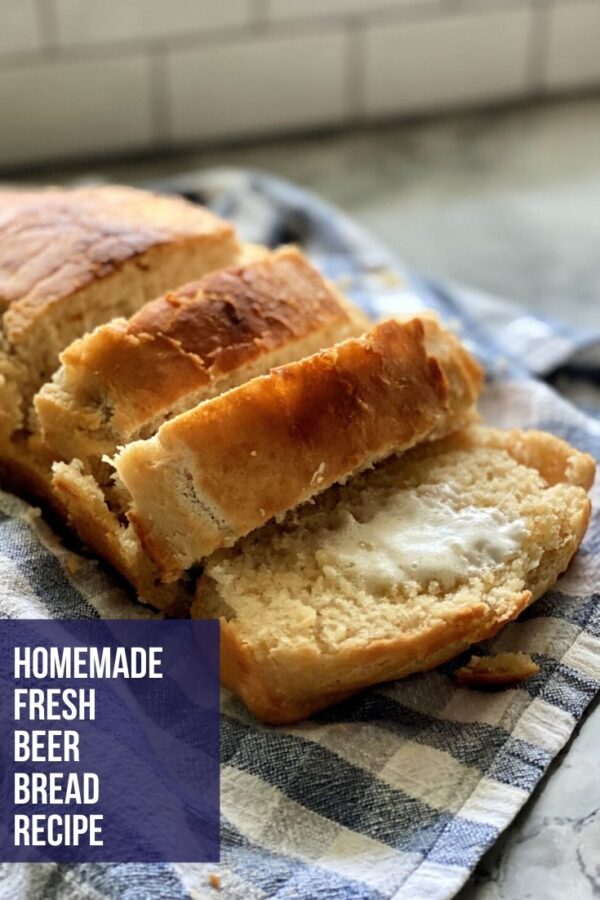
column 508, row 202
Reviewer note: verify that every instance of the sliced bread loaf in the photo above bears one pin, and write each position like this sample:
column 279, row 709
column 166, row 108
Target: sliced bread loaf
column 215, row 473
column 398, row 570
column 127, row 377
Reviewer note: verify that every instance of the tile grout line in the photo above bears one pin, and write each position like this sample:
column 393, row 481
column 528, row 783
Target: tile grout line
column 354, row 86
column 47, row 25
column 258, row 15
column 160, row 111
column 538, row 49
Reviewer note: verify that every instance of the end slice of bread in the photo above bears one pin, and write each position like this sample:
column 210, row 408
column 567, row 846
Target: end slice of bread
column 215, row 473
column 397, row 571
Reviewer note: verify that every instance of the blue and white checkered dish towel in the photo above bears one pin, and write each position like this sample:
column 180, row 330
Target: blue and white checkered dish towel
column 399, row 791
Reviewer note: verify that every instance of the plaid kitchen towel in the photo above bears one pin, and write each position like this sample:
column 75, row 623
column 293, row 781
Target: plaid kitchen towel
column 399, row 791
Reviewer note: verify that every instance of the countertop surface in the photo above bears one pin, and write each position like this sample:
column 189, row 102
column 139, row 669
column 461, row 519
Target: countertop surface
column 507, row 202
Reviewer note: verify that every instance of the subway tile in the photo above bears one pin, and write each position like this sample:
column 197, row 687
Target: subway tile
column 446, row 61
column 74, row 108
column 18, row 26
column 303, row 9
column 257, row 85
column 573, row 58
column 98, row 21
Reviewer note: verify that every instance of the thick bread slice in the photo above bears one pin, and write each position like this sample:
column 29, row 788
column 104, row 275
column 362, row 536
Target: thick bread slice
column 398, row 571
column 122, row 381
column 213, row 474
column 72, row 259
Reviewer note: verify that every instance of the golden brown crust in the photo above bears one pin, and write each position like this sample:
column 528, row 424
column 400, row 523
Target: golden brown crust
column 226, row 314
column 53, row 242
column 499, row 670
column 127, row 373
column 282, row 685
column 232, row 463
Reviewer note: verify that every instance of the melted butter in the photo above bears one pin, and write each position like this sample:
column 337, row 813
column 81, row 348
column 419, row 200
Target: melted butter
column 420, row 539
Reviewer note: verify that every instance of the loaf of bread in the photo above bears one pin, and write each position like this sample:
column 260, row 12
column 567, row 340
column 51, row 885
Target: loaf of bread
column 226, row 467
column 397, row 571
column 72, row 259
column 126, row 378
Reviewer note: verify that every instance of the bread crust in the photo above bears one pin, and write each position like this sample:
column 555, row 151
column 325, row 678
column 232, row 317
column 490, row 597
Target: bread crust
column 54, row 242
column 228, row 466
column 180, row 348
column 283, row 685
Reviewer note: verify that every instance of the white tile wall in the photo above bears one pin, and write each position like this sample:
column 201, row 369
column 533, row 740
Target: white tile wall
column 424, row 65
column 303, row 9
column 253, row 86
column 96, row 21
column 105, row 76
column 18, row 26
column 574, row 45
column 67, row 108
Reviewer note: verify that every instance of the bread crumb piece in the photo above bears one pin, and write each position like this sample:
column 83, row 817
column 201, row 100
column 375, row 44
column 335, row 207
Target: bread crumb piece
column 317, row 477
column 253, row 453
column 73, row 565
column 500, row 670
column 214, row 880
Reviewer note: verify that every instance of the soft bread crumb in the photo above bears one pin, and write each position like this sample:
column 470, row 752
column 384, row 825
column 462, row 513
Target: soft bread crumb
column 499, row 670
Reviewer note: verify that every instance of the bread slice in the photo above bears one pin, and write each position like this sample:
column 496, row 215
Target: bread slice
column 72, row 259
column 215, row 473
column 397, row 571
column 126, row 378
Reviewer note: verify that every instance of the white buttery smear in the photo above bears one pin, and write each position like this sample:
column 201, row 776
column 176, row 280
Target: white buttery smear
column 421, row 539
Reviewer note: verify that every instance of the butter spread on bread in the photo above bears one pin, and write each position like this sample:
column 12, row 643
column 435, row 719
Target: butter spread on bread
column 421, row 536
